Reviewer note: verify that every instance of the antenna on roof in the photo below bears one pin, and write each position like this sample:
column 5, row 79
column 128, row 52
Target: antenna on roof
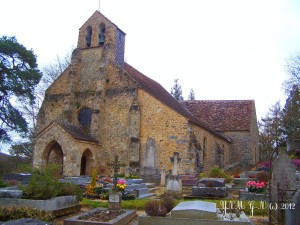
column 99, row 6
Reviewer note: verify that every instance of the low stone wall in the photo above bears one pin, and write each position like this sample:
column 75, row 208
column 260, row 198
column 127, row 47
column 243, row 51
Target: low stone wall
column 49, row 205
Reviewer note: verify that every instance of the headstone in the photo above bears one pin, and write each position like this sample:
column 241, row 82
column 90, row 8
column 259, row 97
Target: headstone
column 284, row 175
column 292, row 213
column 175, row 159
column 283, row 178
column 149, row 166
column 195, row 210
column 163, row 178
column 127, row 171
column 174, row 182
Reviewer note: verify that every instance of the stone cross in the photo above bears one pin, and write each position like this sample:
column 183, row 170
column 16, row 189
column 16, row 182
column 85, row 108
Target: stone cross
column 116, row 165
column 175, row 159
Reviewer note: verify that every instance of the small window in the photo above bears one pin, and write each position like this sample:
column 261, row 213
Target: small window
column 204, row 148
column 85, row 117
column 101, row 35
column 88, row 36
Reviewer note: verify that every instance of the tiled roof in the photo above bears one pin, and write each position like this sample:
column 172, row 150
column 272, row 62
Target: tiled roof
column 157, row 91
column 76, row 132
column 222, row 115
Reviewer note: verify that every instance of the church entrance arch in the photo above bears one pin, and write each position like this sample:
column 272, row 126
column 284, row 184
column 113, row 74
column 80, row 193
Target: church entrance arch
column 87, row 163
column 53, row 155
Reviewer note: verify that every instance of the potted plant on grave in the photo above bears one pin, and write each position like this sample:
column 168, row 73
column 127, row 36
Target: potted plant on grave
column 256, row 187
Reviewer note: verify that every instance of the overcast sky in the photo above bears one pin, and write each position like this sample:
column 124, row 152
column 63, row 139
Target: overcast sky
column 223, row 49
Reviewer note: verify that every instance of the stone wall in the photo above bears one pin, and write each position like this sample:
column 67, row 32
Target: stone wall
column 172, row 133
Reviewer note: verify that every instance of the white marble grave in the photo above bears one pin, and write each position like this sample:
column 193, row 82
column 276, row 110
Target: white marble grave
column 195, row 210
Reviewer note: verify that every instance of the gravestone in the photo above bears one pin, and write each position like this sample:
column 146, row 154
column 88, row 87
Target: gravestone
column 284, row 178
column 284, row 175
column 149, row 166
column 174, row 182
column 292, row 214
column 195, row 210
column 162, row 177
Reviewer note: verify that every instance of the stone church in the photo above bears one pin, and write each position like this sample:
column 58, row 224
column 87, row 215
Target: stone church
column 100, row 107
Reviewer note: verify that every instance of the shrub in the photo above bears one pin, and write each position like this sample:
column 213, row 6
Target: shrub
column 98, row 190
column 44, row 185
column 3, row 183
column 69, row 189
column 104, row 196
column 168, row 201
column 132, row 176
column 155, row 208
column 18, row 212
column 128, row 196
column 216, row 172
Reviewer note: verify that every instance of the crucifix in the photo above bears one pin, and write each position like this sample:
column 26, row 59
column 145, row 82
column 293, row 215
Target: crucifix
column 175, row 159
column 99, row 6
column 116, row 165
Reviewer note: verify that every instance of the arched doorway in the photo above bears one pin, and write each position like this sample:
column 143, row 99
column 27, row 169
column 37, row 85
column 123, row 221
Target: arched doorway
column 53, row 155
column 87, row 163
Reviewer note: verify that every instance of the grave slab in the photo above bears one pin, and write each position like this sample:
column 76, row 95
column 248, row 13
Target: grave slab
column 120, row 220
column 195, row 210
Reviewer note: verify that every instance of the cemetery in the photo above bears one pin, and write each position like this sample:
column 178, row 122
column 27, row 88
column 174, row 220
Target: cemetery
column 203, row 200
column 123, row 151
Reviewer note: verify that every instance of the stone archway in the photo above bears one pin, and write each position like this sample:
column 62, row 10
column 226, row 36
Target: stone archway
column 87, row 163
column 53, row 155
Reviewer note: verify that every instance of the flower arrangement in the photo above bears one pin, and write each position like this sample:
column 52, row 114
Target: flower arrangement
column 121, row 185
column 257, row 187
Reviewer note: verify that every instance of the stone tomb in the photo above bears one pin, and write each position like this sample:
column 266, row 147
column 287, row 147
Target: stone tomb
column 195, row 210
column 210, row 187
column 124, row 218
column 194, row 213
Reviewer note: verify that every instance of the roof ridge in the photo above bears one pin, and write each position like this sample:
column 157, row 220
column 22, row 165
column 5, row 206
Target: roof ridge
column 161, row 94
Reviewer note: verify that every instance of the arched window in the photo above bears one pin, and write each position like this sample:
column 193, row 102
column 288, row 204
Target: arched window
column 85, row 117
column 204, row 148
column 88, row 36
column 101, row 35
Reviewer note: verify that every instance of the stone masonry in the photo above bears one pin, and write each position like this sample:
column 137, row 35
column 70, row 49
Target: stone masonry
column 100, row 107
